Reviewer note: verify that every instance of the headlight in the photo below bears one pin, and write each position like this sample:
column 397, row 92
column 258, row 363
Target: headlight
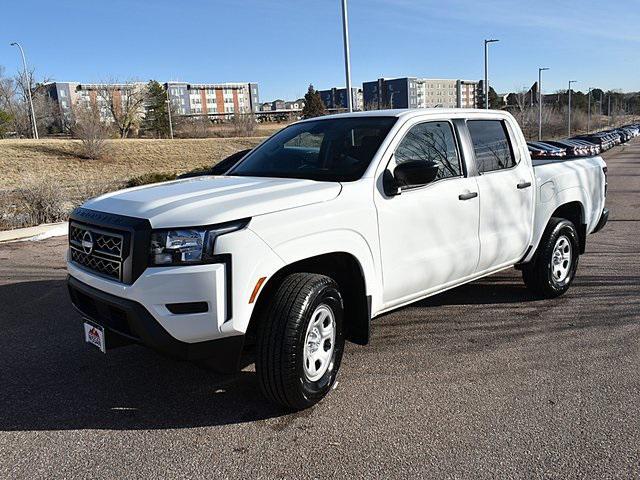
column 187, row 246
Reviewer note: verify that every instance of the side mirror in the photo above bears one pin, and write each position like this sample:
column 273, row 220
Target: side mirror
column 415, row 172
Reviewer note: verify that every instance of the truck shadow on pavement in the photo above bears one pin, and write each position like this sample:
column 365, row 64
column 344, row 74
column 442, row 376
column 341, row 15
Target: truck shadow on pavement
column 51, row 380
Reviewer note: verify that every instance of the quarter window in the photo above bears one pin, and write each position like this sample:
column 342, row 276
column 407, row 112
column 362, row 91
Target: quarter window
column 431, row 142
column 491, row 145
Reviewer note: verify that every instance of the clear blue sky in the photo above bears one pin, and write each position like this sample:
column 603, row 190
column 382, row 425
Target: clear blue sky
column 287, row 44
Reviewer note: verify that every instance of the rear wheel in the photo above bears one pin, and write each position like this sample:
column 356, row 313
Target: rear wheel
column 556, row 261
column 300, row 341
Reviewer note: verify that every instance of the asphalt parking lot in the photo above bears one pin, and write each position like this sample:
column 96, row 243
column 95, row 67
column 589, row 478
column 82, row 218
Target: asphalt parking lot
column 482, row 381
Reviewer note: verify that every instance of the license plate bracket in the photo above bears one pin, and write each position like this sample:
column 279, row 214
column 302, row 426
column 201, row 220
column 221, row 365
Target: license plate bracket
column 94, row 335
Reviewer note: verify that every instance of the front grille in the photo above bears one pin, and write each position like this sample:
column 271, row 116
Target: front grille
column 98, row 250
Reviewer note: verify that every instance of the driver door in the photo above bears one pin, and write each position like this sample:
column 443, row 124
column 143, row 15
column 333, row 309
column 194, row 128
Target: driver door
column 428, row 233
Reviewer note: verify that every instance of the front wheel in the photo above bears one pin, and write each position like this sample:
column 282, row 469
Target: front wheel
column 300, row 341
column 554, row 268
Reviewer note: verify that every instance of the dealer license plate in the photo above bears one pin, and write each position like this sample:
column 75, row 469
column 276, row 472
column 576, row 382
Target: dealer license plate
column 94, row 334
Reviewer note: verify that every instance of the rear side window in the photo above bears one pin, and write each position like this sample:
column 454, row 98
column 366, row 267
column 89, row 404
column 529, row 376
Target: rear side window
column 491, row 145
column 431, row 142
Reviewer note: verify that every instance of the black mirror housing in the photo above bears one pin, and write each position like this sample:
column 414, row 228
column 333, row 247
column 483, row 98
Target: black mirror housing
column 389, row 184
column 415, row 172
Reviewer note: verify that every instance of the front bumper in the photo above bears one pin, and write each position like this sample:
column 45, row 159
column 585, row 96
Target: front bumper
column 127, row 321
column 158, row 288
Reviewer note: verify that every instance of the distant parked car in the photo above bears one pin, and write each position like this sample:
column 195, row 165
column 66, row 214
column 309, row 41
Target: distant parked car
column 624, row 135
column 594, row 149
column 548, row 151
column 603, row 139
column 535, row 152
column 572, row 147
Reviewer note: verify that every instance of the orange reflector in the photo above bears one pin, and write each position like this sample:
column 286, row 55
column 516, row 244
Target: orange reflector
column 256, row 289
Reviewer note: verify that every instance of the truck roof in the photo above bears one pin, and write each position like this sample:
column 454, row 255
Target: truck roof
column 414, row 112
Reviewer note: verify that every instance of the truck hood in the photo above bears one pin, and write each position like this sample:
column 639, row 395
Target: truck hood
column 212, row 199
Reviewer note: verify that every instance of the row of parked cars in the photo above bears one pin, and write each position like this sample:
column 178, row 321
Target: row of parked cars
column 583, row 145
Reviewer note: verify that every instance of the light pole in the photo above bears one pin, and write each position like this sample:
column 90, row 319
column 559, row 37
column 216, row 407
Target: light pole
column 486, row 71
column 347, row 55
column 169, row 112
column 34, row 127
column 589, row 113
column 540, row 70
column 569, row 119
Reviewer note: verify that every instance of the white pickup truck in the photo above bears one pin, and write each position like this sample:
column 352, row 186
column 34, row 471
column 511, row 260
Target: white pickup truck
column 325, row 225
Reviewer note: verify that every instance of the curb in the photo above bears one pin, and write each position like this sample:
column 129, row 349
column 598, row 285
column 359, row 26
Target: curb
column 40, row 232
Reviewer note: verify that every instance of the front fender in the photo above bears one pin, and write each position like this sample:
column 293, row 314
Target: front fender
column 335, row 241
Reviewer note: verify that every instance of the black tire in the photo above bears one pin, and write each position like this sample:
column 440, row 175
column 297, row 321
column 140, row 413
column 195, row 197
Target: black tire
column 281, row 340
column 540, row 276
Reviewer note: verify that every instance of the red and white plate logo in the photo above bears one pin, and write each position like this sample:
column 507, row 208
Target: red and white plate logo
column 94, row 335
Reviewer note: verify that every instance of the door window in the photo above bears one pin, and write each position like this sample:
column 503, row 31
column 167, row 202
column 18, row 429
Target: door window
column 491, row 145
column 431, row 142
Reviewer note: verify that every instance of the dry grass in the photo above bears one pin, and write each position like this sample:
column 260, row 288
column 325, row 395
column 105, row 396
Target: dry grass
column 60, row 159
column 60, row 162
column 245, row 126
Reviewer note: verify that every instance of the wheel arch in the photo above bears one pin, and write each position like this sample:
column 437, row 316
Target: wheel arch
column 572, row 209
column 349, row 274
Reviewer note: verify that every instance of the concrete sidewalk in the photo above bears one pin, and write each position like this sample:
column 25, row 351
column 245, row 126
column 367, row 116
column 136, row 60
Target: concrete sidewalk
column 40, row 232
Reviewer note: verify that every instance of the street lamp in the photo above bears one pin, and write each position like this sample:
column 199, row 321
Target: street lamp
column 540, row 70
column 569, row 119
column 486, row 71
column 169, row 112
column 34, row 127
column 589, row 113
column 347, row 55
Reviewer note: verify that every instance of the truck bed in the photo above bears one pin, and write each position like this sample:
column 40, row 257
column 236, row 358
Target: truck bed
column 555, row 180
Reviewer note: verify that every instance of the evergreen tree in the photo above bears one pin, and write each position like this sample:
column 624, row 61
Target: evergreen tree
column 156, row 116
column 6, row 121
column 313, row 106
column 495, row 102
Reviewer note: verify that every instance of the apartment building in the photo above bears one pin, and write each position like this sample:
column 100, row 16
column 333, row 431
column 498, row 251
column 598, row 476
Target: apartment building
column 282, row 105
column 413, row 92
column 213, row 98
column 68, row 95
column 336, row 98
column 186, row 98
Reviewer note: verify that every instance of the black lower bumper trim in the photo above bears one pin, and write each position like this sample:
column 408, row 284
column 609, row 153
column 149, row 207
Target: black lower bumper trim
column 133, row 323
column 604, row 217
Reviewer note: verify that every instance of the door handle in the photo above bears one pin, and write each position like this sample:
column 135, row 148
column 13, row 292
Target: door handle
column 467, row 196
column 523, row 185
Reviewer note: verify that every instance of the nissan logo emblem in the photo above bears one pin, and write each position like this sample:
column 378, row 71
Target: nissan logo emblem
column 87, row 242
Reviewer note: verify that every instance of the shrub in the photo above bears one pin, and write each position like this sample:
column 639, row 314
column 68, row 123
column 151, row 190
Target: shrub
column 42, row 201
column 88, row 127
column 148, row 178
column 243, row 125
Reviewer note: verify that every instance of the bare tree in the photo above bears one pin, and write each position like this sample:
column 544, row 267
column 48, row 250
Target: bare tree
column 14, row 100
column 124, row 103
column 244, row 125
column 91, row 131
column 11, row 103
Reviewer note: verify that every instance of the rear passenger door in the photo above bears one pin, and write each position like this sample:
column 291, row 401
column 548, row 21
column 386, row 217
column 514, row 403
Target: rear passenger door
column 506, row 192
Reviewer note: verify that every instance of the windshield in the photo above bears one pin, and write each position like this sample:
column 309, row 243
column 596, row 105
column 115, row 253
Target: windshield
column 335, row 150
